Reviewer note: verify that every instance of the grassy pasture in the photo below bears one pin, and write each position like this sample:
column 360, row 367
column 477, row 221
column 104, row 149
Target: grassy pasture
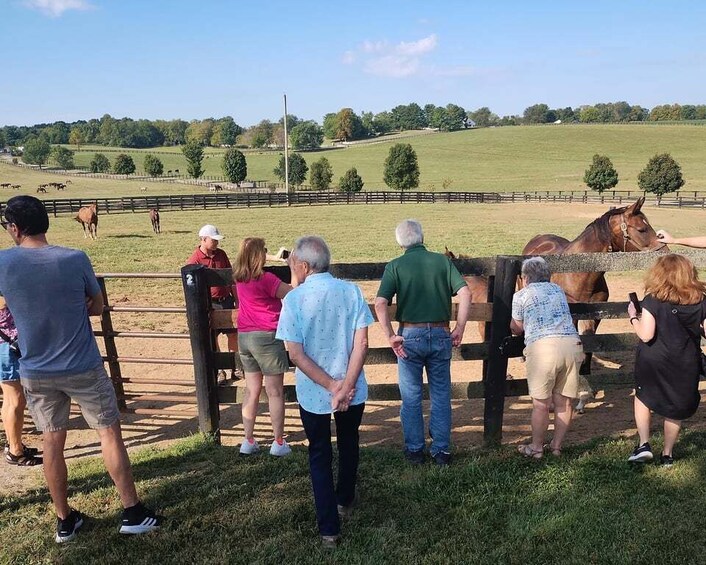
column 589, row 506
column 492, row 159
column 355, row 233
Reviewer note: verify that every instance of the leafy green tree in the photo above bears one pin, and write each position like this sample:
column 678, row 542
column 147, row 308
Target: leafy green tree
column 153, row 165
column 63, row 157
column 661, row 175
column 321, row 174
column 483, row 117
column 193, row 151
column 124, row 165
column 297, row 169
column 235, row 168
column 410, row 116
column 351, row 181
column 329, row 126
column 100, row 163
column 348, row 125
column 77, row 138
column 229, row 130
column 36, row 151
column 401, row 167
column 537, row 114
column 306, row 135
column 601, row 175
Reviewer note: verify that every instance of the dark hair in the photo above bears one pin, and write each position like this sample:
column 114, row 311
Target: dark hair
column 28, row 214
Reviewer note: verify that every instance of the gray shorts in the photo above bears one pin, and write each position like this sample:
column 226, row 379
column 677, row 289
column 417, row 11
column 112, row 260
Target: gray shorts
column 261, row 352
column 49, row 399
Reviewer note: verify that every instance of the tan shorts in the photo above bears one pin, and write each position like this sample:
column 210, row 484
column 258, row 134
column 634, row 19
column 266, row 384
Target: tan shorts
column 553, row 366
column 49, row 399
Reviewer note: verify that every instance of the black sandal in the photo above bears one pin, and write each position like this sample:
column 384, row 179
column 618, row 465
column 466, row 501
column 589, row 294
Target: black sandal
column 22, row 460
column 26, row 451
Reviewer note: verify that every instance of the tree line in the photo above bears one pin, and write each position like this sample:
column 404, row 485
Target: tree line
column 344, row 125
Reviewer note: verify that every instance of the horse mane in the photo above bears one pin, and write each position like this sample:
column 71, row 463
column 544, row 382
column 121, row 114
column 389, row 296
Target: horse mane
column 601, row 225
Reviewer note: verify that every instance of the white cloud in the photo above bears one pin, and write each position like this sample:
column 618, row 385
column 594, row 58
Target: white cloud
column 399, row 60
column 55, row 8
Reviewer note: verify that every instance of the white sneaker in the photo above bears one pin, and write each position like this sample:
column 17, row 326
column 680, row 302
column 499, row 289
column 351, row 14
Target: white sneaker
column 280, row 450
column 247, row 448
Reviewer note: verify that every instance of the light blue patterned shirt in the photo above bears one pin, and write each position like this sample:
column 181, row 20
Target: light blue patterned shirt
column 323, row 315
column 544, row 312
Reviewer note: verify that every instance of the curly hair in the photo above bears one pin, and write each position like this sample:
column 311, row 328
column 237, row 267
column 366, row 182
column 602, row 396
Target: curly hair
column 674, row 279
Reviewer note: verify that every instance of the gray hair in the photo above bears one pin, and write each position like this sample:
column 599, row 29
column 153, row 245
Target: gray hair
column 535, row 269
column 312, row 249
column 409, row 233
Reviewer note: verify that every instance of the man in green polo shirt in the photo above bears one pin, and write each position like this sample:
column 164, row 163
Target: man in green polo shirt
column 424, row 283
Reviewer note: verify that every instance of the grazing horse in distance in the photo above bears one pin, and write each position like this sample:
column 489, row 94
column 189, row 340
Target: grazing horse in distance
column 88, row 217
column 42, row 188
column 5, row 185
column 154, row 218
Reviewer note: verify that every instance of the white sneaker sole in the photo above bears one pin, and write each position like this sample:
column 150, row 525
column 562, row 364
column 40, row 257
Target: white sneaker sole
column 641, row 457
column 64, row 539
column 148, row 525
column 282, row 453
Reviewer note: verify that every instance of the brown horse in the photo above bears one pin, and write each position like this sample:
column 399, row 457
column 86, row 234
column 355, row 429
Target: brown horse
column 88, row 217
column 478, row 285
column 154, row 218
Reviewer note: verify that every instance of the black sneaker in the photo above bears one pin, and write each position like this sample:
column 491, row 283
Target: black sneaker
column 139, row 519
column 642, row 454
column 442, row 459
column 414, row 457
column 66, row 529
column 666, row 460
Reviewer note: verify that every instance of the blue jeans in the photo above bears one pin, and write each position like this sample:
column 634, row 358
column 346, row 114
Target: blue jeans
column 428, row 348
column 318, row 431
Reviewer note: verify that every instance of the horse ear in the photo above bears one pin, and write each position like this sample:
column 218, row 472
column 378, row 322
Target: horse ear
column 636, row 207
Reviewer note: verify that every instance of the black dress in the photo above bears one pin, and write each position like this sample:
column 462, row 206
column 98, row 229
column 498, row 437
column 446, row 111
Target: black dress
column 667, row 368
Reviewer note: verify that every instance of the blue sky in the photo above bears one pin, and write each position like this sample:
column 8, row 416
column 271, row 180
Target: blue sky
column 79, row 59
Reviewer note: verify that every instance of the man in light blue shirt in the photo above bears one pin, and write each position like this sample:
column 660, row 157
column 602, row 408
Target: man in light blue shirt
column 324, row 323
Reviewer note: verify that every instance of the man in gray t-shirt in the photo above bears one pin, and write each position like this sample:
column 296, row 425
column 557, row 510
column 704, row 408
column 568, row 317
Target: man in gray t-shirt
column 51, row 291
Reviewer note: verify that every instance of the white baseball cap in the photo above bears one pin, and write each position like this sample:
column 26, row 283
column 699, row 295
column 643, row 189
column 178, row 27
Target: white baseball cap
column 210, row 231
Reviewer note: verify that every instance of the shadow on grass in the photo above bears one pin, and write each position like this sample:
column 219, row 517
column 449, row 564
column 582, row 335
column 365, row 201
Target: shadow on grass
column 588, row 506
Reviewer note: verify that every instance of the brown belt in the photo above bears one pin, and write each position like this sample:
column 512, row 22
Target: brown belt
column 424, row 324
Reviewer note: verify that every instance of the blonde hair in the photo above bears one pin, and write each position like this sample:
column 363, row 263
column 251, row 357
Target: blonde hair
column 251, row 259
column 674, row 279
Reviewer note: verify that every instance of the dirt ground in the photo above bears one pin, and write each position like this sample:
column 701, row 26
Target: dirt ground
column 609, row 414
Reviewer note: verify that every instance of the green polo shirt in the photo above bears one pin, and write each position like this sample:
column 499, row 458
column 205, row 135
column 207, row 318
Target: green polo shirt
column 423, row 282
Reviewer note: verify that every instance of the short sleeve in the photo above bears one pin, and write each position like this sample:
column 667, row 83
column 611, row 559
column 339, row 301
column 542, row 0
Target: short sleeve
column 92, row 286
column 517, row 309
column 364, row 318
column 455, row 278
column 388, row 284
column 271, row 282
column 650, row 303
column 288, row 328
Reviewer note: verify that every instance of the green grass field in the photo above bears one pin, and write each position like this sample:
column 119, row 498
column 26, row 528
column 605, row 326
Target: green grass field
column 492, row 159
column 492, row 507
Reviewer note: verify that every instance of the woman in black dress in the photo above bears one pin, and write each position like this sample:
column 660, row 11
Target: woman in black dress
column 668, row 360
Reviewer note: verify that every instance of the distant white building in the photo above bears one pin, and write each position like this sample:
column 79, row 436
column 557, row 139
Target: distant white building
column 469, row 123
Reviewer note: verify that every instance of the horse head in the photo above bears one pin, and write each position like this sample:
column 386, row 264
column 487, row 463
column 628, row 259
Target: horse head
column 450, row 254
column 631, row 231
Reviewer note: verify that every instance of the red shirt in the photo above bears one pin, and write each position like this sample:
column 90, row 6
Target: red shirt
column 218, row 261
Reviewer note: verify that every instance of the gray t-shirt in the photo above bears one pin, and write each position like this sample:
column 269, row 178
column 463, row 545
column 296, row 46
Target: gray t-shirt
column 46, row 289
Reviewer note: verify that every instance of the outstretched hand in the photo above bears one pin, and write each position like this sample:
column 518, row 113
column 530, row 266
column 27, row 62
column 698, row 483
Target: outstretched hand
column 665, row 236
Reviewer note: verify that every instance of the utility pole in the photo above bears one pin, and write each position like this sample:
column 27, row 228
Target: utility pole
column 286, row 153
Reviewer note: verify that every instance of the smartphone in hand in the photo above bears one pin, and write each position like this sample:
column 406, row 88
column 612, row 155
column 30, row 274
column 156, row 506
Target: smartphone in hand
column 635, row 302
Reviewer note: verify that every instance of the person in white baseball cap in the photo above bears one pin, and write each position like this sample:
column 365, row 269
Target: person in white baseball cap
column 210, row 255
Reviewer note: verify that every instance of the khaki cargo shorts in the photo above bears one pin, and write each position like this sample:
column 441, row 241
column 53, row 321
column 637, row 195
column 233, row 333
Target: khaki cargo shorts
column 553, row 366
column 261, row 352
column 49, row 399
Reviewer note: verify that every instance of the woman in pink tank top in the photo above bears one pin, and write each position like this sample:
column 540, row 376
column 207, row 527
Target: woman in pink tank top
column 260, row 296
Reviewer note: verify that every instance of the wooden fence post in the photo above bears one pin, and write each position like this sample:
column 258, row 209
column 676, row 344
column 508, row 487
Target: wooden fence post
column 506, row 271
column 111, row 351
column 197, row 298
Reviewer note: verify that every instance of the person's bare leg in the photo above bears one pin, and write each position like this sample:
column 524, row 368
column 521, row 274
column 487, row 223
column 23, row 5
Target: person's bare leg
column 253, row 387
column 642, row 420
column 563, row 412
column 55, row 471
column 13, row 408
column 274, row 386
column 540, row 422
column 118, row 464
column 671, row 433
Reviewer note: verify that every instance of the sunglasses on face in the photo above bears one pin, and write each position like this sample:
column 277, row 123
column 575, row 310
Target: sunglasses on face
column 4, row 224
